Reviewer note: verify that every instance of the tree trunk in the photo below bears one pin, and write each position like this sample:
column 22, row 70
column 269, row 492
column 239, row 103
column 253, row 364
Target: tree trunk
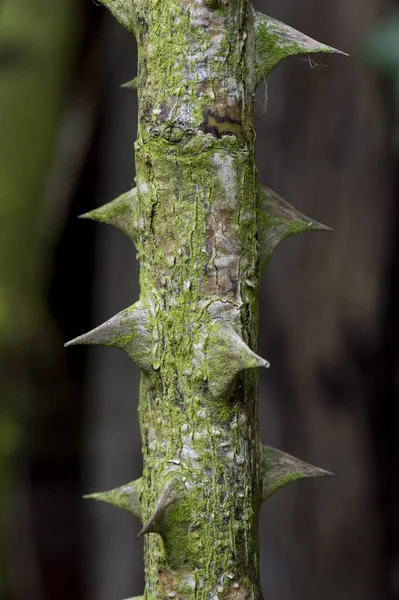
column 203, row 231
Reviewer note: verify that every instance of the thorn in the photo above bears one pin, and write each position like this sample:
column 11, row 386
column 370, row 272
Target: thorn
column 275, row 41
column 136, row 598
column 131, row 85
column 126, row 497
column 280, row 468
column 122, row 13
column 120, row 213
column 278, row 221
column 227, row 355
column 169, row 494
column 128, row 331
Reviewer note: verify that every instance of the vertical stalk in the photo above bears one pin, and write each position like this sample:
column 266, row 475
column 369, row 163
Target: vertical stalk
column 203, row 230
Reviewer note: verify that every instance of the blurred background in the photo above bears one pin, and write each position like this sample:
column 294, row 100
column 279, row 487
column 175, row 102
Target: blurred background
column 329, row 304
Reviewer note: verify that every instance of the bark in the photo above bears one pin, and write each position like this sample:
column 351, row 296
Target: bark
column 197, row 219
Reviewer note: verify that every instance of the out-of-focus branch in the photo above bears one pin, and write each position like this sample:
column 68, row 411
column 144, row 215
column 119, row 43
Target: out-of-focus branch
column 37, row 41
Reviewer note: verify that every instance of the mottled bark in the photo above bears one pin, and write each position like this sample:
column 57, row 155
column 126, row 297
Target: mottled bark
column 196, row 218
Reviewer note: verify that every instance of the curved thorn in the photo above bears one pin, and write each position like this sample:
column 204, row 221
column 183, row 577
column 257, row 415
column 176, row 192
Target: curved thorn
column 169, row 494
column 126, row 497
column 275, row 41
column 120, row 213
column 227, row 355
column 128, row 331
column 280, row 468
column 278, row 221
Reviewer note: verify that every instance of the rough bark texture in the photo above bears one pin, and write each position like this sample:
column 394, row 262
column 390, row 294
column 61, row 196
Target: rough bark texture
column 196, row 218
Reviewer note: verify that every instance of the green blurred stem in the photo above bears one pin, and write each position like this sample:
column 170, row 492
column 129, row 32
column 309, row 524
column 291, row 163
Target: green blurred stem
column 33, row 80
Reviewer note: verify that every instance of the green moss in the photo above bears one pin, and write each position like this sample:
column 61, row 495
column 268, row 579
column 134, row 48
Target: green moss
column 126, row 497
column 126, row 13
column 200, row 246
column 278, row 220
column 280, row 468
column 121, row 213
column 276, row 41
column 270, row 53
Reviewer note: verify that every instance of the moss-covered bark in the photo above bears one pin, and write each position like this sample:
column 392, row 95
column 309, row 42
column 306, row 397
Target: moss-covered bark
column 196, row 218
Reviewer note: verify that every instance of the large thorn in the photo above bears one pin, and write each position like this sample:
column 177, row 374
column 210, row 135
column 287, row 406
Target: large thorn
column 227, row 355
column 136, row 598
column 275, row 41
column 124, row 12
column 170, row 493
column 120, row 213
column 126, row 497
column 128, row 331
column 278, row 221
column 280, row 468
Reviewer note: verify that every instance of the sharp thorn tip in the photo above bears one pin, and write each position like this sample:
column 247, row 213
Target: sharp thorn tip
column 327, row 473
column 321, row 227
column 71, row 343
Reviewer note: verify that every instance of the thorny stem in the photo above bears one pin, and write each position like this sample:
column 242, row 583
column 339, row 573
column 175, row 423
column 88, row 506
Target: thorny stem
column 197, row 219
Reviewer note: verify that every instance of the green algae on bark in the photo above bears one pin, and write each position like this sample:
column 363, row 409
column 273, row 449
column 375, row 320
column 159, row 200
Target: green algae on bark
column 126, row 497
column 276, row 41
column 120, row 213
column 278, row 220
column 199, row 226
column 280, row 468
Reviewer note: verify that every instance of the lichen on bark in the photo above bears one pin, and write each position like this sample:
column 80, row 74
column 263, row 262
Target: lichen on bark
column 195, row 218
